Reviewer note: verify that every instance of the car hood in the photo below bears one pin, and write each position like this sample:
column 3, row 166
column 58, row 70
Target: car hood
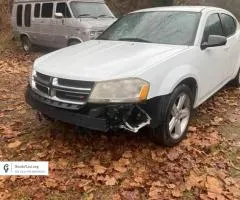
column 99, row 60
column 96, row 24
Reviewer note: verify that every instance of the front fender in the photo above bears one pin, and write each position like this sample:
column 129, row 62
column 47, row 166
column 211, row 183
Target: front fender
column 175, row 77
column 237, row 66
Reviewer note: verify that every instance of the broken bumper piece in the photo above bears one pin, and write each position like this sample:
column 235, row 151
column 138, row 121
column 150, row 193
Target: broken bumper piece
column 104, row 117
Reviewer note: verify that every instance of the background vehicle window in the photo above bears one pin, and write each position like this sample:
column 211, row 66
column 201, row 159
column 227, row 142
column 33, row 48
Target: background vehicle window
column 19, row 15
column 213, row 27
column 88, row 9
column 47, row 10
column 27, row 15
column 63, row 8
column 37, row 10
column 229, row 25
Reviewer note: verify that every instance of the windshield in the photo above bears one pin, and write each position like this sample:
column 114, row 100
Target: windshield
column 170, row 27
column 92, row 10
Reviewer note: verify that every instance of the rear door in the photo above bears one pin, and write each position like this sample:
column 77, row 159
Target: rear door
column 28, row 20
column 230, row 31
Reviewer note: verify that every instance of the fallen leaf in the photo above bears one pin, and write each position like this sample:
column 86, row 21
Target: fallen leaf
column 99, row 169
column 110, row 181
column 155, row 193
column 51, row 183
column 213, row 185
column 194, row 180
column 15, row 144
column 177, row 193
column 127, row 154
column 192, row 129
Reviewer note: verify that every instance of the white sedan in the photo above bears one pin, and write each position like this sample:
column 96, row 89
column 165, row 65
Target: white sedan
column 150, row 68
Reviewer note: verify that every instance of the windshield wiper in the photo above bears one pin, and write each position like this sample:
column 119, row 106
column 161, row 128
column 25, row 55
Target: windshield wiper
column 85, row 15
column 107, row 16
column 134, row 40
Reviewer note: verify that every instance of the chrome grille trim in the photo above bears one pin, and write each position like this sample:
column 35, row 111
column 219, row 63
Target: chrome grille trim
column 52, row 86
column 56, row 84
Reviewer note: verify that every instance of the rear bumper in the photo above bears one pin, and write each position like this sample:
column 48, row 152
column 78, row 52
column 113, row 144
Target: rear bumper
column 101, row 117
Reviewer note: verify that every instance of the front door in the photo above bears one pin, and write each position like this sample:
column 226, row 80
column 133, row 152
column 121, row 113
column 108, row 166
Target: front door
column 46, row 25
column 212, row 61
column 61, row 26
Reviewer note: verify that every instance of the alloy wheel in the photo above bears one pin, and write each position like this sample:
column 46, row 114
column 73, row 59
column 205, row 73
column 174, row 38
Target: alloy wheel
column 179, row 116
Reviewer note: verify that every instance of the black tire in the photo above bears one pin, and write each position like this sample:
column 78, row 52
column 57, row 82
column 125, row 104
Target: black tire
column 236, row 81
column 26, row 44
column 73, row 42
column 162, row 135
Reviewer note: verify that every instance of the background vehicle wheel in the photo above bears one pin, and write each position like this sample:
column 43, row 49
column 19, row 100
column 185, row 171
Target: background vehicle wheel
column 73, row 42
column 236, row 81
column 26, row 44
column 175, row 112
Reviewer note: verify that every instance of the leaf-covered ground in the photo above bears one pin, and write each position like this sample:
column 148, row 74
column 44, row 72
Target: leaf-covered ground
column 122, row 165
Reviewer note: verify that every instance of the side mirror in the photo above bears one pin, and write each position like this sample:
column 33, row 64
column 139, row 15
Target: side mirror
column 58, row 15
column 214, row 41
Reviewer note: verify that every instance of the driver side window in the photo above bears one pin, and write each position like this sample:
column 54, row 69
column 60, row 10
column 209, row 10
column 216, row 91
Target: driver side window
column 213, row 27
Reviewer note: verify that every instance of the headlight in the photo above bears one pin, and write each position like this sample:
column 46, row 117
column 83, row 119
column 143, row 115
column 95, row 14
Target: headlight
column 93, row 34
column 120, row 91
column 32, row 72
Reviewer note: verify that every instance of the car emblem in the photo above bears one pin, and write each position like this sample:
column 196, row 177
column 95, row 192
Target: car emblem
column 50, row 90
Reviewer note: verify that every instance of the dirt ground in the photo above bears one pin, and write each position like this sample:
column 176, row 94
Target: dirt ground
column 122, row 165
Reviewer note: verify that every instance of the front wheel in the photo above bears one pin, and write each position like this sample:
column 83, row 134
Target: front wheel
column 236, row 81
column 175, row 111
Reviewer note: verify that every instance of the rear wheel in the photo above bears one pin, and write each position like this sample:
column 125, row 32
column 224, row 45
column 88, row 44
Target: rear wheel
column 236, row 81
column 175, row 111
column 26, row 44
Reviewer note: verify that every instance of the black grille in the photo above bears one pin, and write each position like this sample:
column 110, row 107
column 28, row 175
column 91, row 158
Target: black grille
column 43, row 78
column 41, row 88
column 57, row 103
column 63, row 90
column 74, row 83
column 65, row 95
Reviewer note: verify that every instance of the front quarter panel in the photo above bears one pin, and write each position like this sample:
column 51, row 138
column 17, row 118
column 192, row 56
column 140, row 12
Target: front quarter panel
column 165, row 77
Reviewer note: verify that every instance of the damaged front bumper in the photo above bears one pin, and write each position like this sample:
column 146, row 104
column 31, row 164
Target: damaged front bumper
column 101, row 117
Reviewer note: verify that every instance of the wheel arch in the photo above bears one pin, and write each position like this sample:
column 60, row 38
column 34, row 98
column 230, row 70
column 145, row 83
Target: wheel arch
column 193, row 85
column 24, row 35
column 237, row 66
column 182, row 75
column 74, row 39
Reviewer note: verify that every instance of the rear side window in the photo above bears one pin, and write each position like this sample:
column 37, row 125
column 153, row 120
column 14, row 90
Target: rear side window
column 63, row 8
column 37, row 10
column 213, row 27
column 19, row 15
column 47, row 10
column 27, row 15
column 229, row 25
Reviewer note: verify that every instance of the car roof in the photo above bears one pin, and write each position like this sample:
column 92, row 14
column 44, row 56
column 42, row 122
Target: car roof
column 181, row 8
column 27, row 1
